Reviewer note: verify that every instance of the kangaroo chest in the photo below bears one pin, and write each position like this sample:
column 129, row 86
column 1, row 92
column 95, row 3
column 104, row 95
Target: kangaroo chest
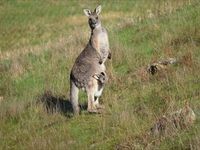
column 100, row 43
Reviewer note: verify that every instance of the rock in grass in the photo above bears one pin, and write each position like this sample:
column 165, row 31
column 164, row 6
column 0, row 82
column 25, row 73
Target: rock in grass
column 184, row 117
column 160, row 65
column 177, row 120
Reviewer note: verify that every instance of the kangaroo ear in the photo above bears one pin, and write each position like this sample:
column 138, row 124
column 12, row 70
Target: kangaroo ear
column 98, row 10
column 87, row 12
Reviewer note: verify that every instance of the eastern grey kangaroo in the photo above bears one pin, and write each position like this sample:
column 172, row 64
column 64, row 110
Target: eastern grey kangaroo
column 88, row 71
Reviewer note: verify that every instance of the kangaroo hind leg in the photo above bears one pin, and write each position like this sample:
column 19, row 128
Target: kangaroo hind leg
column 91, row 89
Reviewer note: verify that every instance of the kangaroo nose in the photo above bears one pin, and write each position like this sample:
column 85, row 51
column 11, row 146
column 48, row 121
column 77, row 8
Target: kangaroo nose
column 92, row 21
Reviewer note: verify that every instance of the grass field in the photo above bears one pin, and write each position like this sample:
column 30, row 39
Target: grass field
column 39, row 42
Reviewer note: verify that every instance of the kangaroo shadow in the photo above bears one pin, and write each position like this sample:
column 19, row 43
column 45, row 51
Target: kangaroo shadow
column 59, row 104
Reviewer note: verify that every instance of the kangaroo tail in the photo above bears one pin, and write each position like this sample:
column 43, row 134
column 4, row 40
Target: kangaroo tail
column 74, row 97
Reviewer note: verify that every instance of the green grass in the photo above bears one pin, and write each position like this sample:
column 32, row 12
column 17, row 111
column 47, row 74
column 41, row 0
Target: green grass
column 39, row 42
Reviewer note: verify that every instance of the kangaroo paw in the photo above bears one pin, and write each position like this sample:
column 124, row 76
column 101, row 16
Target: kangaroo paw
column 109, row 55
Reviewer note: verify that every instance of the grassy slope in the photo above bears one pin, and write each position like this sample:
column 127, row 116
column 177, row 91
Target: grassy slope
column 39, row 44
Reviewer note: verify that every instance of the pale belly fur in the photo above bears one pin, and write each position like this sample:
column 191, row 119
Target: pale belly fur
column 103, row 45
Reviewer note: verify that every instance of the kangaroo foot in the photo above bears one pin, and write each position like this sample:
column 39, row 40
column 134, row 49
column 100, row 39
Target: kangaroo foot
column 94, row 111
column 100, row 106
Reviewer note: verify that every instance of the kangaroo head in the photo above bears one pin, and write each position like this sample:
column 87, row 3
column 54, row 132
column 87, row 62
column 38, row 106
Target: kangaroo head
column 93, row 18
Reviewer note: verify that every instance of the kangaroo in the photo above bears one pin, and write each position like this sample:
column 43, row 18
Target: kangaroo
column 88, row 71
